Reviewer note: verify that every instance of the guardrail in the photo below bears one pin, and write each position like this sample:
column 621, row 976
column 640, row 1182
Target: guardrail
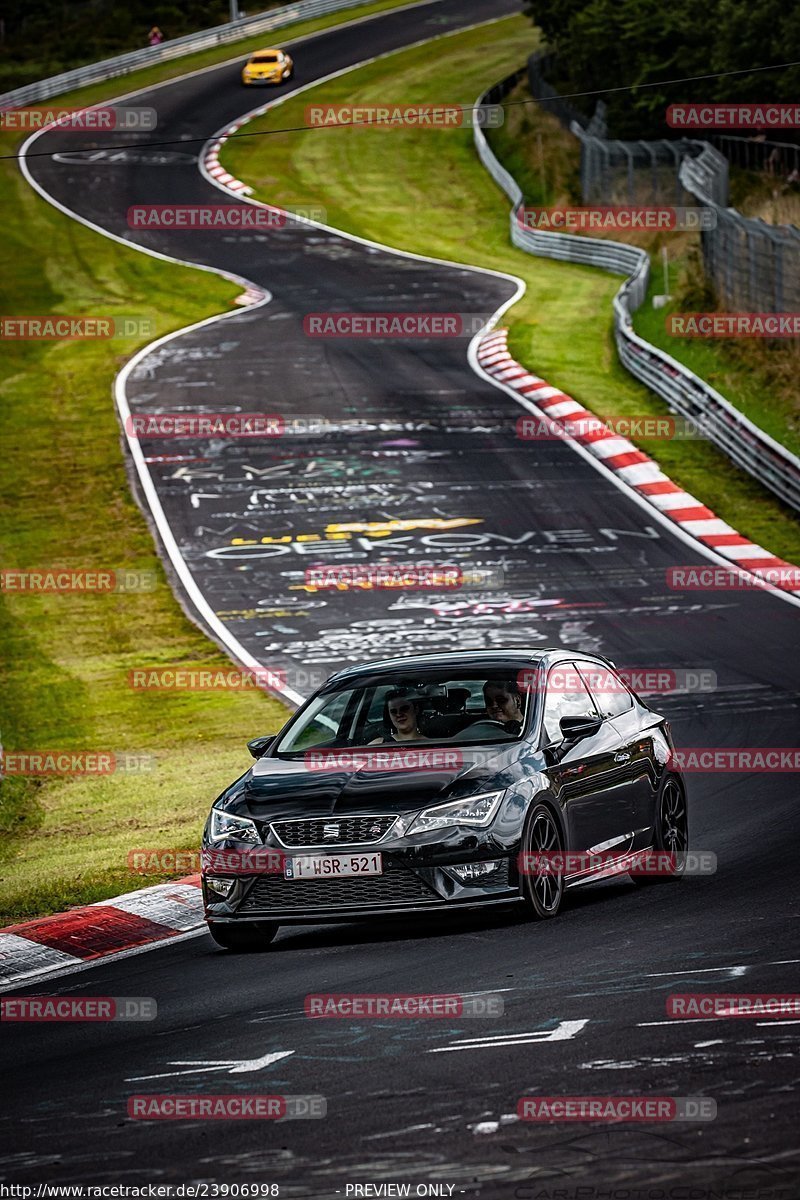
column 685, row 393
column 148, row 56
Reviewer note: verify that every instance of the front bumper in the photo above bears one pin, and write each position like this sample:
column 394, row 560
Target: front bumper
column 401, row 888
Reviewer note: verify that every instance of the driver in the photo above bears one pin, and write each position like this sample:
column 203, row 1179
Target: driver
column 503, row 701
column 403, row 713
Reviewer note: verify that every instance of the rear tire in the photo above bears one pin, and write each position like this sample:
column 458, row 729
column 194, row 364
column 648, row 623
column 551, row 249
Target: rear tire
column 671, row 833
column 543, row 893
column 244, row 938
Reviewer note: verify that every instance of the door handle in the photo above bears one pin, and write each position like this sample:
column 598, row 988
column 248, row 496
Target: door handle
column 622, row 756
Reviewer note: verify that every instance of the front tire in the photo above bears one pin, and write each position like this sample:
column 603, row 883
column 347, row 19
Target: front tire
column 244, row 938
column 670, row 833
column 542, row 893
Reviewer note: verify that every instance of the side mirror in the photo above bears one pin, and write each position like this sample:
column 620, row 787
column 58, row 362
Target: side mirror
column 259, row 746
column 574, row 728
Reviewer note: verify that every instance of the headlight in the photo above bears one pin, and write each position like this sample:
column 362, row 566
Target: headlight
column 224, row 825
column 475, row 812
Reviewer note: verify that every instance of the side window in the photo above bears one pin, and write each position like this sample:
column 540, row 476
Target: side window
column 566, row 696
column 609, row 691
column 374, row 713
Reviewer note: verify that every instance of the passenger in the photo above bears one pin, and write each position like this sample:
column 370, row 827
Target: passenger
column 403, row 713
column 503, row 701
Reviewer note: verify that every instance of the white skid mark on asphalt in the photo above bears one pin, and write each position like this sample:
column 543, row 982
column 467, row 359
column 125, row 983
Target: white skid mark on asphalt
column 676, row 1022
column 703, row 1045
column 564, row 1031
column 734, row 972
column 493, row 1126
column 608, row 1064
column 232, row 1066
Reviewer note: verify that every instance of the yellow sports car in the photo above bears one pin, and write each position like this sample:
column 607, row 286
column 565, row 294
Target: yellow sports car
column 267, row 66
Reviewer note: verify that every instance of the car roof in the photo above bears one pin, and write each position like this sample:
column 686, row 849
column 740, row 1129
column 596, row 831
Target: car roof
column 457, row 660
column 267, row 50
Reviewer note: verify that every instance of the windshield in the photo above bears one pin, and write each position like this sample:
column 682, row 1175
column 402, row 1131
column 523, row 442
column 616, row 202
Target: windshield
column 475, row 707
column 265, row 58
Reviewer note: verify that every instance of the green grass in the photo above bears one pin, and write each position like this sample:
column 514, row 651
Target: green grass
column 758, row 378
column 65, row 500
column 427, row 192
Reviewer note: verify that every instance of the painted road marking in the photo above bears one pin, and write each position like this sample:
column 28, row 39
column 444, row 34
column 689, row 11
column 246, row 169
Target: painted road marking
column 232, row 1066
column 564, row 1031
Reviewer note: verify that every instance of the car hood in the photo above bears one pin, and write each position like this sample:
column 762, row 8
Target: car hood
column 280, row 788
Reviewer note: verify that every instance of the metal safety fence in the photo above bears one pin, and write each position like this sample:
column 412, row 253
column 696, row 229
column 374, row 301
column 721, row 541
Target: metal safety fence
column 754, row 266
column 686, row 394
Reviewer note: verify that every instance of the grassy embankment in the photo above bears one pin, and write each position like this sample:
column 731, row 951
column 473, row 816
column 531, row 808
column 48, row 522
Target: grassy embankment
column 65, row 500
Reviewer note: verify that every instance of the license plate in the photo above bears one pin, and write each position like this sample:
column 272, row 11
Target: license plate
column 332, row 866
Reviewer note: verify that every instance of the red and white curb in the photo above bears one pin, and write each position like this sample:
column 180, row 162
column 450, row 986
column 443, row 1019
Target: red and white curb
column 632, row 466
column 153, row 914
column 215, row 168
column 250, row 295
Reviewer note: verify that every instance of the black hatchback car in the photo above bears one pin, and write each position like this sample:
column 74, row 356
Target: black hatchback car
column 444, row 781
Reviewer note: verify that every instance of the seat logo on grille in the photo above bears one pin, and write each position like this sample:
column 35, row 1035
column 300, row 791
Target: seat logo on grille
column 330, row 831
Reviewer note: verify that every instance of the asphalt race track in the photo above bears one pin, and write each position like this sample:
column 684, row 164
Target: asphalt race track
column 422, row 452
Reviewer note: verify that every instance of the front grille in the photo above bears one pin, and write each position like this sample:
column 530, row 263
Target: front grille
column 351, row 831
column 396, row 886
